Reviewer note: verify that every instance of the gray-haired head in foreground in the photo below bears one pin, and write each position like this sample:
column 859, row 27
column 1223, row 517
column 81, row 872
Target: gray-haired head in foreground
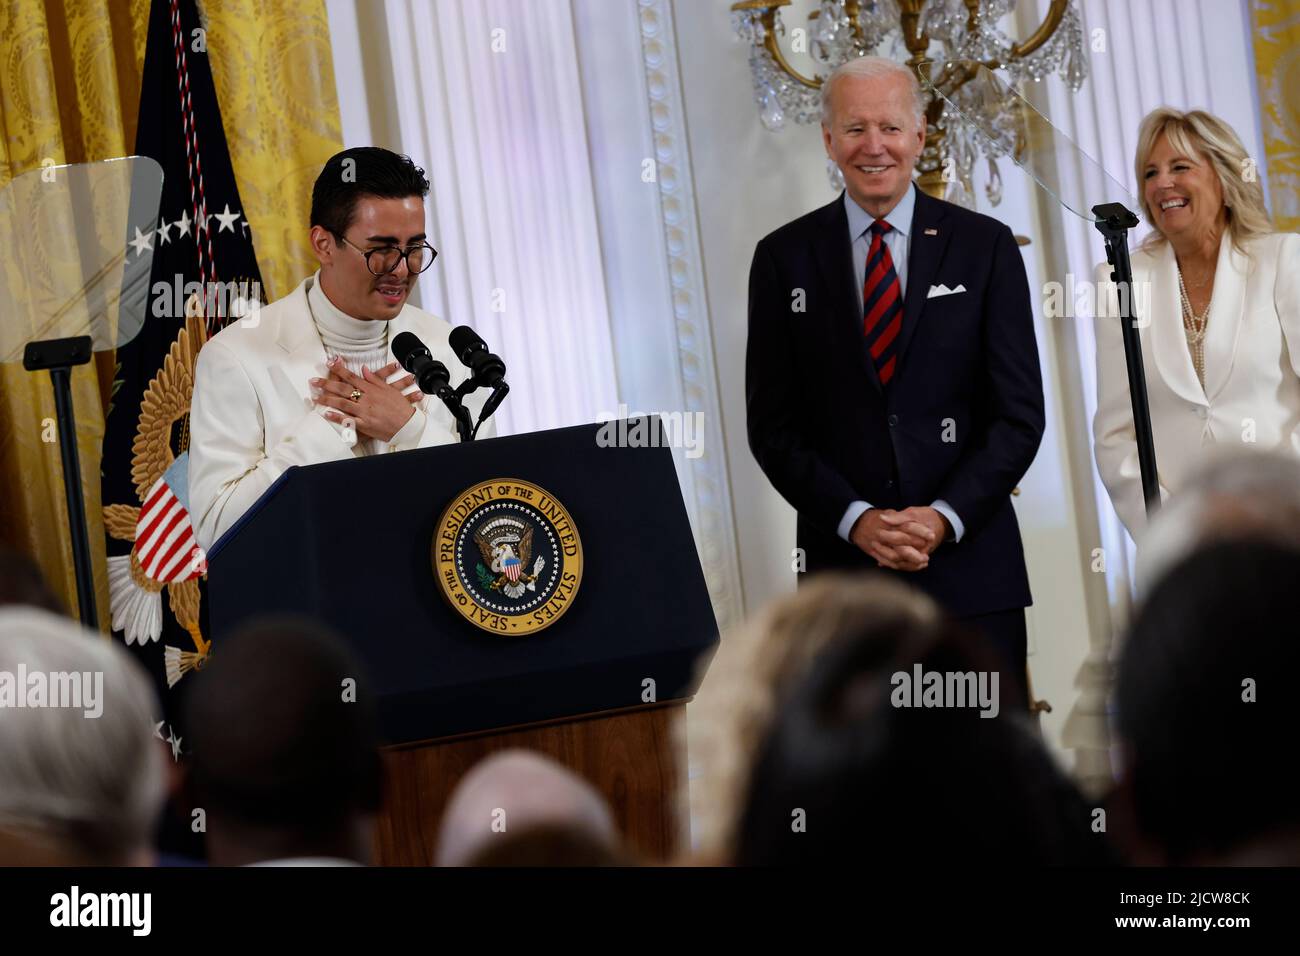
column 512, row 791
column 871, row 66
column 1236, row 494
column 76, row 788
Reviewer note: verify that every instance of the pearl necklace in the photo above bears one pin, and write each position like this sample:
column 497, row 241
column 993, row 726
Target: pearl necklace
column 1194, row 327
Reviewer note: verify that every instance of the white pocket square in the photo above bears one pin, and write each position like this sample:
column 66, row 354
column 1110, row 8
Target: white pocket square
column 941, row 289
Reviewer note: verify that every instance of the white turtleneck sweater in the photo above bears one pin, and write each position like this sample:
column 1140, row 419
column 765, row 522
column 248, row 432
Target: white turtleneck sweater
column 359, row 342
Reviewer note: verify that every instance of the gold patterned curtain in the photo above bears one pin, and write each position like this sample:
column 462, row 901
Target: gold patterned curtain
column 69, row 92
column 1277, row 76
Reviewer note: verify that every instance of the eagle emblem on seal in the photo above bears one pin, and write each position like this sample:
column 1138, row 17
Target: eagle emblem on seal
column 506, row 545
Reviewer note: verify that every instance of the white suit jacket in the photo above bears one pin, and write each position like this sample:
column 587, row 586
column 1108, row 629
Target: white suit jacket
column 252, row 416
column 1251, row 398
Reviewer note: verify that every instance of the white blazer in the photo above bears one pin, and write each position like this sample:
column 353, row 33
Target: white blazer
column 252, row 416
column 1251, row 398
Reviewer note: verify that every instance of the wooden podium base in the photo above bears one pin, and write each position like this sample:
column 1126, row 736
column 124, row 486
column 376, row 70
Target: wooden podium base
column 630, row 756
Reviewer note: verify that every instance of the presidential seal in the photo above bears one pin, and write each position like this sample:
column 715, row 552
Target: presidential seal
column 507, row 557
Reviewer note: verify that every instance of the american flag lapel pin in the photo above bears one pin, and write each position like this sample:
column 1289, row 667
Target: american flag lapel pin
column 932, row 232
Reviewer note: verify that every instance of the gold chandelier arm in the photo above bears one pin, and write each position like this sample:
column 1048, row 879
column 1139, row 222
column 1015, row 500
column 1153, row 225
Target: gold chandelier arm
column 1055, row 14
column 769, row 41
column 768, row 10
column 958, row 74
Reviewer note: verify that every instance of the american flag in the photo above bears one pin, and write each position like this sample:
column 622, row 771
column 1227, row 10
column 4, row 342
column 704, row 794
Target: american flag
column 164, row 537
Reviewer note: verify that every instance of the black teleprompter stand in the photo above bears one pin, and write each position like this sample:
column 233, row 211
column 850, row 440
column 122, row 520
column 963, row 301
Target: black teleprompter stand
column 59, row 356
column 1113, row 221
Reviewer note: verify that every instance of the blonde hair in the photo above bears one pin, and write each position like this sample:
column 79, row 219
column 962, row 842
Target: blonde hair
column 755, row 666
column 1199, row 133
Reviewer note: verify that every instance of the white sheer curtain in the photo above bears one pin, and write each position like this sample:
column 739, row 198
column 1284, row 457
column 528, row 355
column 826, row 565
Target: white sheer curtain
column 485, row 96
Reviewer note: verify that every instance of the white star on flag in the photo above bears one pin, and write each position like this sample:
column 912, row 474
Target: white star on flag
column 141, row 242
column 227, row 219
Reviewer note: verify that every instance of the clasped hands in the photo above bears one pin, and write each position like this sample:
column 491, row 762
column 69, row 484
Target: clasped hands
column 902, row 540
column 379, row 411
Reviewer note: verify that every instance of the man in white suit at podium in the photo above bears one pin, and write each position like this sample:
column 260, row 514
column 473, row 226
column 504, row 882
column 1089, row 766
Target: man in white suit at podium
column 312, row 377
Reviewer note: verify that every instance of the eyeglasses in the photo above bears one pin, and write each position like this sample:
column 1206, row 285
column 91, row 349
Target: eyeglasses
column 384, row 259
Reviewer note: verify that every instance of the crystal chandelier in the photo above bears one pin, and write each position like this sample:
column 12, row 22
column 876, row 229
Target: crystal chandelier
column 967, row 35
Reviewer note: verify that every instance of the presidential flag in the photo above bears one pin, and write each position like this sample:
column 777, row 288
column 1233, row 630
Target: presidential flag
column 204, row 275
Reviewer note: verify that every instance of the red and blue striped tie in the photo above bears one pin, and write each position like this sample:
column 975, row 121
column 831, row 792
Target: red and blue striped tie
column 882, row 304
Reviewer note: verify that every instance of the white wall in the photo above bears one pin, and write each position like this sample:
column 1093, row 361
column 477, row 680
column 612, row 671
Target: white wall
column 749, row 182
column 653, row 257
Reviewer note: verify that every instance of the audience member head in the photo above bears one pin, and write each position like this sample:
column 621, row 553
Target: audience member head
column 550, row 845
column 285, row 740
column 519, row 808
column 21, row 583
column 1206, row 716
column 853, row 769
column 82, row 779
column 1236, row 495
column 758, row 663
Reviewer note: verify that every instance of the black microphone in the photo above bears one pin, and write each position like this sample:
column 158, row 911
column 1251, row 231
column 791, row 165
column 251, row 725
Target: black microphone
column 433, row 378
column 430, row 374
column 473, row 352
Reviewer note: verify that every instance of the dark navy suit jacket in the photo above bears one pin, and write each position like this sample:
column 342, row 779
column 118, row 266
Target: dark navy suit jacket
column 961, row 420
